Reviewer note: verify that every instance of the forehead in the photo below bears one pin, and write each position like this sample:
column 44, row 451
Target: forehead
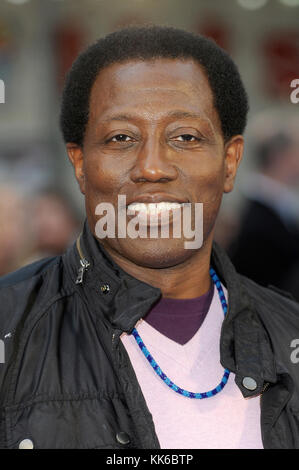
column 153, row 88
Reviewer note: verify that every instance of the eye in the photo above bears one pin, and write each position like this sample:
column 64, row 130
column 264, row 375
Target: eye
column 120, row 138
column 187, row 138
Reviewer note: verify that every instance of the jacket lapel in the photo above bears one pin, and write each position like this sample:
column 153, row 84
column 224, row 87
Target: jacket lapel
column 244, row 345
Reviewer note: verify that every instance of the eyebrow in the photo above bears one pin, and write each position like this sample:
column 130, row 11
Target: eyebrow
column 178, row 114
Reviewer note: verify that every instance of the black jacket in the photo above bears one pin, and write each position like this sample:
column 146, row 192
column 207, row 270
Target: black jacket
column 67, row 381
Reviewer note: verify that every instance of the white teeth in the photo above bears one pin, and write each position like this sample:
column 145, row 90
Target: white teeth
column 136, row 206
column 151, row 208
column 154, row 208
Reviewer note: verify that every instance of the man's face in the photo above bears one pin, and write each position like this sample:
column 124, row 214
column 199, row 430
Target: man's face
column 154, row 135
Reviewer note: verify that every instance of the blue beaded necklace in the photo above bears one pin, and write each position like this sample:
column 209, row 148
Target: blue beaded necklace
column 164, row 377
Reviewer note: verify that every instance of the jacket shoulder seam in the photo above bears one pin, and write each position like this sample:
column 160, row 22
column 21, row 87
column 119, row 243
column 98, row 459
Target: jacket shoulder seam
column 55, row 261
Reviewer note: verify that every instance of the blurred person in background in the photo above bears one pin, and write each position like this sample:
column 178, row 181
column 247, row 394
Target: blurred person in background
column 55, row 224
column 266, row 248
column 16, row 241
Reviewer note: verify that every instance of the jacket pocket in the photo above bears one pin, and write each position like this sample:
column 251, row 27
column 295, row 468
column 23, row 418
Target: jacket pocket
column 82, row 423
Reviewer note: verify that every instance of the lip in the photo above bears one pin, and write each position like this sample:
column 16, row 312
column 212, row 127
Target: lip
column 148, row 198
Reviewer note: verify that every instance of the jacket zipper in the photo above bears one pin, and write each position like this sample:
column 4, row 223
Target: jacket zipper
column 264, row 388
column 83, row 262
column 115, row 339
column 266, row 385
column 84, row 266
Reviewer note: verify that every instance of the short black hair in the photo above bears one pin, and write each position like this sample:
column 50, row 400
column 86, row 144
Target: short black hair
column 146, row 43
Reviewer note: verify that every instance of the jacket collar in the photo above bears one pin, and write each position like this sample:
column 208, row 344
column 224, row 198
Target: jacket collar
column 244, row 346
column 107, row 287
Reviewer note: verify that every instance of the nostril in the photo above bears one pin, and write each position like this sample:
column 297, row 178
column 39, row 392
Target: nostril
column 153, row 175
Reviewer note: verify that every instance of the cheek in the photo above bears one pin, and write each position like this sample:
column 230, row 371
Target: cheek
column 208, row 182
column 102, row 175
column 208, row 185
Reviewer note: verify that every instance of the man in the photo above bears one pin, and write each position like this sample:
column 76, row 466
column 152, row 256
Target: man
column 270, row 222
column 155, row 115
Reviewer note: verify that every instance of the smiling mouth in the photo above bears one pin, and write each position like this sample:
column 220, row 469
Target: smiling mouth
column 164, row 213
column 151, row 208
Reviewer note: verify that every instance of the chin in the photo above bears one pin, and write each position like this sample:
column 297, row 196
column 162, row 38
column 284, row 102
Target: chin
column 155, row 254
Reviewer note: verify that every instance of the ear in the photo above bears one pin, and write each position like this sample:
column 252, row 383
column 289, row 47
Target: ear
column 233, row 156
column 75, row 155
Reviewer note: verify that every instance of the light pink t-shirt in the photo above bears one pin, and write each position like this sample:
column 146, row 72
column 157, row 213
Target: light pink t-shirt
column 224, row 421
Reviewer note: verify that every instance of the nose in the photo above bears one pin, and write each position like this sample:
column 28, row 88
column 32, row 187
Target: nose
column 153, row 163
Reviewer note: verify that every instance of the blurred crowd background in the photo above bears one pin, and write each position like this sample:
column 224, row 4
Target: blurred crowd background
column 41, row 208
